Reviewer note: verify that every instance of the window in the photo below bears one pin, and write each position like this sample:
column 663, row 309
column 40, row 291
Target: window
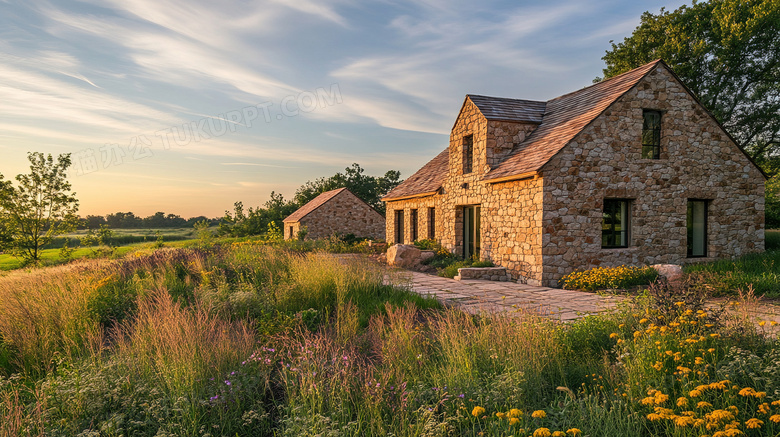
column 413, row 218
column 651, row 134
column 399, row 226
column 468, row 153
column 431, row 223
column 615, row 223
column 697, row 228
column 291, row 232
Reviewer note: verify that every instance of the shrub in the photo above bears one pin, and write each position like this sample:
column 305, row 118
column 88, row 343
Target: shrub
column 600, row 278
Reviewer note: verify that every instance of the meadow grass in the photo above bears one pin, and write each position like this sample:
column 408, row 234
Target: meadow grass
column 759, row 271
column 249, row 339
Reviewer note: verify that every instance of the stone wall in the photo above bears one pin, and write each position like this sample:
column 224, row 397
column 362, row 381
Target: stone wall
column 343, row 214
column 422, row 205
column 697, row 161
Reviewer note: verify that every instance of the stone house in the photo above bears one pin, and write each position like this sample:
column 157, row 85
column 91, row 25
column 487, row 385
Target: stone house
column 632, row 170
column 335, row 212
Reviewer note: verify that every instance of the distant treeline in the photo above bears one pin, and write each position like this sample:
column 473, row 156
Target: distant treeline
column 128, row 220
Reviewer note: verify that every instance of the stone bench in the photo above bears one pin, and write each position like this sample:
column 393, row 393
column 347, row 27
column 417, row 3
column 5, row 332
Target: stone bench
column 483, row 273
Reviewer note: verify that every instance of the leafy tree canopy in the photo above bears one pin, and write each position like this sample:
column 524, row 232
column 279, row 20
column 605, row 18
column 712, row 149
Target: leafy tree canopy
column 38, row 208
column 728, row 53
column 370, row 189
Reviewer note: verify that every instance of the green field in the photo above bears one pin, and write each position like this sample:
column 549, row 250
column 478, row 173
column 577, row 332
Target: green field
column 183, row 236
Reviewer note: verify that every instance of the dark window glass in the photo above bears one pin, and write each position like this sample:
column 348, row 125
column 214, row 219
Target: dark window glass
column 651, row 135
column 414, row 224
column 697, row 228
column 431, row 223
column 468, row 153
column 399, row 226
column 615, row 223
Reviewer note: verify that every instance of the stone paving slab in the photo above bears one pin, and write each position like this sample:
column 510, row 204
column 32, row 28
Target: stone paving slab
column 475, row 296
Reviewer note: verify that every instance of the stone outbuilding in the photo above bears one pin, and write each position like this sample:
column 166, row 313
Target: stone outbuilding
column 632, row 170
column 335, row 212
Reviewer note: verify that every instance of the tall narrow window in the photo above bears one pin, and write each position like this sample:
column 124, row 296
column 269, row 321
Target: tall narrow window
column 651, row 134
column 697, row 228
column 291, row 232
column 399, row 226
column 471, row 232
column 431, row 223
column 413, row 220
column 615, row 223
column 468, row 153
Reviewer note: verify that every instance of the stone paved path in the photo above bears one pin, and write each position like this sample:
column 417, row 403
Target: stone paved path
column 479, row 296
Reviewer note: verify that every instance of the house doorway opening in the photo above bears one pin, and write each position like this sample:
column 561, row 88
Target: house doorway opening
column 471, row 231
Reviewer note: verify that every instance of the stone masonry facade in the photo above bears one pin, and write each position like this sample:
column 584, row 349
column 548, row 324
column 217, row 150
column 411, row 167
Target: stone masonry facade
column 547, row 223
column 342, row 214
column 698, row 161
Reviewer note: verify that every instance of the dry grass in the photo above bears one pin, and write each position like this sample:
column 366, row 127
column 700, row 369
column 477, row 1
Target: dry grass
column 182, row 346
column 43, row 313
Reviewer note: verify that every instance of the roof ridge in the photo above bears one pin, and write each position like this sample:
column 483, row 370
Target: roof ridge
column 315, row 203
column 613, row 78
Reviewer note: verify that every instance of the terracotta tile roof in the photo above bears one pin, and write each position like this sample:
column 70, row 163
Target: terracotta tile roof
column 427, row 179
column 500, row 108
column 312, row 205
column 565, row 117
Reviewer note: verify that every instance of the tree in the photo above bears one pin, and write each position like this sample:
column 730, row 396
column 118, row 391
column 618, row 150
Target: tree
column 39, row 208
column 370, row 189
column 728, row 53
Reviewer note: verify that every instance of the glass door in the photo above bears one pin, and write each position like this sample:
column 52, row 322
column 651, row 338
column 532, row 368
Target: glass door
column 471, row 231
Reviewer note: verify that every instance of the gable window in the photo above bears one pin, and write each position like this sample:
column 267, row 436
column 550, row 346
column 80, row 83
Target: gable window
column 399, row 226
column 468, row 153
column 431, row 223
column 651, row 134
column 697, row 228
column 615, row 223
column 413, row 218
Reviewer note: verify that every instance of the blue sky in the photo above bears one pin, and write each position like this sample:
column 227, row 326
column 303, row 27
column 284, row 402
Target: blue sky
column 187, row 107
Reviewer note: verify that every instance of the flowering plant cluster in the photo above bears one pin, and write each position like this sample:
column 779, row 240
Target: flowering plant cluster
column 601, row 278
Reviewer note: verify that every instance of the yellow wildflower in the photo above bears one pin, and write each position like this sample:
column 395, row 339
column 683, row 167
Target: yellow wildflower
column 500, row 415
column 514, row 412
column 558, row 434
column 613, row 335
column 754, row 423
column 764, row 408
column 775, row 418
column 514, row 420
column 681, row 402
column 573, row 431
column 542, row 432
column 703, row 404
column 539, row 414
column 694, row 393
column 477, row 411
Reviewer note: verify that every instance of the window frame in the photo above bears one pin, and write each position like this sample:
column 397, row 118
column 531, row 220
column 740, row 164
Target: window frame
column 431, row 223
column 654, row 132
column 398, row 223
column 689, row 228
column 623, row 235
column 468, row 154
column 413, row 225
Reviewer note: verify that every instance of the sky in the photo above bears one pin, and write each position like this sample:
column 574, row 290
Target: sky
column 186, row 107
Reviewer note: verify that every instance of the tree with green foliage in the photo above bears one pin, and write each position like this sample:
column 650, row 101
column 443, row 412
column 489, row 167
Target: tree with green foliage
column 40, row 207
column 370, row 189
column 728, row 53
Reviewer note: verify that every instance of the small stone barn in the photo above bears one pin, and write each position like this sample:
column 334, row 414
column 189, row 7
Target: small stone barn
column 632, row 170
column 335, row 212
